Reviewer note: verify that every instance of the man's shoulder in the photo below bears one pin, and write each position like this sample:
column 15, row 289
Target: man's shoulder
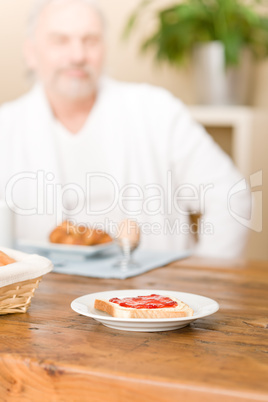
column 17, row 106
column 18, row 102
column 16, row 115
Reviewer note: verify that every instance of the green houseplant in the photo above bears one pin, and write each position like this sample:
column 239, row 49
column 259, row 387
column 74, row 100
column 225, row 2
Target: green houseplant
column 235, row 24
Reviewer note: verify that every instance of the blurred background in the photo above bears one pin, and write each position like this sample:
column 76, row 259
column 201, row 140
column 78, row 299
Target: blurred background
column 241, row 129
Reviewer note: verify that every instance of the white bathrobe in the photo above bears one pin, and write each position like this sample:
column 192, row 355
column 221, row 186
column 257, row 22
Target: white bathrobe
column 139, row 155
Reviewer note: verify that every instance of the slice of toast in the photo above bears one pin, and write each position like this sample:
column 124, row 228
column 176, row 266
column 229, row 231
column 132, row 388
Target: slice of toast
column 115, row 310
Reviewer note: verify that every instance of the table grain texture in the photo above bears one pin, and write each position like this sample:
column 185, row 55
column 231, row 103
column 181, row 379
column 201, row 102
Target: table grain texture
column 53, row 354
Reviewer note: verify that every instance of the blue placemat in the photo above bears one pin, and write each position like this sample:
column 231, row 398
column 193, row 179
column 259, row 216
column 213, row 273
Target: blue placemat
column 101, row 266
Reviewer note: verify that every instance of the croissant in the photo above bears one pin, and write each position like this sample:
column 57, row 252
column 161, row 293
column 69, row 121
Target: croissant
column 68, row 233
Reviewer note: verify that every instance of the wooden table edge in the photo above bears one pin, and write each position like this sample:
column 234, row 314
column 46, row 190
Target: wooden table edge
column 92, row 380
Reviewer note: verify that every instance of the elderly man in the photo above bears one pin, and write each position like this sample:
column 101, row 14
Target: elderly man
column 94, row 150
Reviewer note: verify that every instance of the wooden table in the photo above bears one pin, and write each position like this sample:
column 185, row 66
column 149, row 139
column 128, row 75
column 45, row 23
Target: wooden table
column 53, row 354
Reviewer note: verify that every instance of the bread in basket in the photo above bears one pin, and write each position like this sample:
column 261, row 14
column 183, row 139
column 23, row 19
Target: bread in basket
column 20, row 279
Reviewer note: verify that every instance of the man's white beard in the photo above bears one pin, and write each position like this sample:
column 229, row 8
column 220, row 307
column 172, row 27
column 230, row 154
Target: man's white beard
column 74, row 88
column 77, row 89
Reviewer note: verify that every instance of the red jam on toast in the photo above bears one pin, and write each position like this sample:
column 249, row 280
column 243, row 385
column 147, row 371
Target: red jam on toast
column 149, row 302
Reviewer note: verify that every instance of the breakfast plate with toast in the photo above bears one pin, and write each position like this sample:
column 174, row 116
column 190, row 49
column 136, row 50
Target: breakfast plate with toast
column 144, row 310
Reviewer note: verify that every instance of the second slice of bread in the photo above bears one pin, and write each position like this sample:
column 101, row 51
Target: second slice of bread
column 5, row 259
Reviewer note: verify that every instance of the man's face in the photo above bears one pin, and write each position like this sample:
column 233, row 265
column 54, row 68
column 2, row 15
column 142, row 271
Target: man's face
column 67, row 50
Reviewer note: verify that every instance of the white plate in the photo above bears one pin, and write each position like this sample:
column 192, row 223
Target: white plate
column 47, row 247
column 202, row 307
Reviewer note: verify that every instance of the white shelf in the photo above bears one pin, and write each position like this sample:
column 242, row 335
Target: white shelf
column 249, row 144
column 240, row 119
column 222, row 115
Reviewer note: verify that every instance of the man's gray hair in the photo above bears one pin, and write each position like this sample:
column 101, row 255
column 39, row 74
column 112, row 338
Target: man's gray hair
column 39, row 5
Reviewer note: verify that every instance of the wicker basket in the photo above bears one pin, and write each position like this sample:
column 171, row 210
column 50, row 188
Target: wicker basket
column 19, row 280
column 16, row 298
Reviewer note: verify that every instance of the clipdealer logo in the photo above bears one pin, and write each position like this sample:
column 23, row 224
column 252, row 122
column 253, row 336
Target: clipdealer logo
column 49, row 197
